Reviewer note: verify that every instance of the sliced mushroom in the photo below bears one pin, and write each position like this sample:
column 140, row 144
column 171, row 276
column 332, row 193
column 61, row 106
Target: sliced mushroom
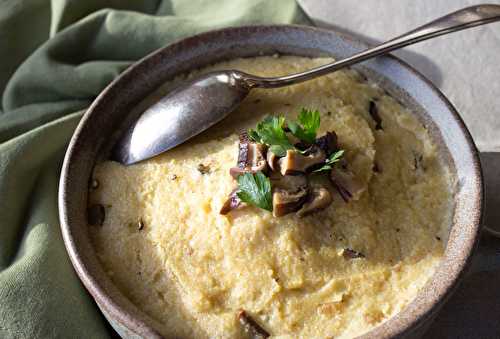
column 272, row 160
column 318, row 199
column 290, row 192
column 251, row 327
column 327, row 142
column 346, row 183
column 294, row 162
column 251, row 157
column 288, row 182
column 232, row 202
column 243, row 149
column 285, row 202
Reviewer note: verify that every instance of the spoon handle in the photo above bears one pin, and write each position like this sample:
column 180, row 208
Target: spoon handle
column 456, row 21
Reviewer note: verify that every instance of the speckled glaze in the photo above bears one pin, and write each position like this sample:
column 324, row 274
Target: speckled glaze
column 111, row 111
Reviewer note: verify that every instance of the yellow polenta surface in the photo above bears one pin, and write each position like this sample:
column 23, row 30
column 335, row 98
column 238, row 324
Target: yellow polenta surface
column 191, row 268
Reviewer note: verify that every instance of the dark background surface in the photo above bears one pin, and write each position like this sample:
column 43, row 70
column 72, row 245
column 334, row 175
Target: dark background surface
column 474, row 309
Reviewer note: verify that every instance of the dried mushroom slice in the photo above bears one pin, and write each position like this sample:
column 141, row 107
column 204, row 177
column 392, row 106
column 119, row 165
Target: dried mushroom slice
column 251, row 157
column 319, row 198
column 251, row 327
column 294, row 162
column 243, row 149
column 288, row 182
column 328, row 143
column 289, row 193
column 285, row 201
column 272, row 160
column 232, row 202
column 346, row 183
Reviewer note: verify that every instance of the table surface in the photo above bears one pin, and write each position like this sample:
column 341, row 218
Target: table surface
column 466, row 67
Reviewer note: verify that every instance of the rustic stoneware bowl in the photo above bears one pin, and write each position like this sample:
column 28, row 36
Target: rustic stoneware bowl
column 112, row 109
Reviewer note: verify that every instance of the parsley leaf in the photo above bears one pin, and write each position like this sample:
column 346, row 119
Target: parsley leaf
column 334, row 157
column 254, row 136
column 255, row 189
column 270, row 131
column 309, row 123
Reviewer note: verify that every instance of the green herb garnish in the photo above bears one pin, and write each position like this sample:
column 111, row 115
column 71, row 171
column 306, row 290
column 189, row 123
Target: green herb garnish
column 255, row 189
column 309, row 123
column 271, row 132
column 334, row 157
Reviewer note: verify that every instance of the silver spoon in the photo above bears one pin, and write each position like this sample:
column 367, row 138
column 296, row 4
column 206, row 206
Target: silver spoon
column 200, row 103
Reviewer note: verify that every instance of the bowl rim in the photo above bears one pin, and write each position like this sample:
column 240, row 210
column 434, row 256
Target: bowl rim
column 395, row 326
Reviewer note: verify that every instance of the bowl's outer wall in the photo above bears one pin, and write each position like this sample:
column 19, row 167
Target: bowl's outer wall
column 110, row 111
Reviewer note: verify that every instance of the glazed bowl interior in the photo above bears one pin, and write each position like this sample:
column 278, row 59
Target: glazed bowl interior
column 117, row 106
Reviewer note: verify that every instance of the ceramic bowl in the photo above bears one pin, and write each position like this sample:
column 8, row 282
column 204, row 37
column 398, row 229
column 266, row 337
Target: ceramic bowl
column 109, row 113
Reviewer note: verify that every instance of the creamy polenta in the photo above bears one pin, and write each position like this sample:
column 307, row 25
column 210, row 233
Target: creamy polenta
column 167, row 248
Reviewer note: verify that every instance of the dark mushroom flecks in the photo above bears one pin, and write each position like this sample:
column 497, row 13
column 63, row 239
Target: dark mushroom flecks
column 203, row 169
column 418, row 160
column 318, row 199
column 294, row 162
column 348, row 253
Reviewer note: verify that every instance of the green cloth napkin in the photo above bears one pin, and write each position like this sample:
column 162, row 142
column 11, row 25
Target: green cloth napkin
column 55, row 58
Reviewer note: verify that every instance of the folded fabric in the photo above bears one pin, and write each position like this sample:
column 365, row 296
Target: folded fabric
column 55, row 58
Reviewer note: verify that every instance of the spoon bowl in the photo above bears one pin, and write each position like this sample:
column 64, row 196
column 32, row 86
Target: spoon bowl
column 185, row 112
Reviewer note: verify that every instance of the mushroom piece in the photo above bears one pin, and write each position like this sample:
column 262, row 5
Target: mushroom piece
column 327, row 142
column 232, row 202
column 318, row 199
column 346, row 183
column 251, row 327
column 272, row 160
column 294, row 162
column 243, row 150
column 285, row 202
column 251, row 157
column 289, row 194
column 288, row 182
